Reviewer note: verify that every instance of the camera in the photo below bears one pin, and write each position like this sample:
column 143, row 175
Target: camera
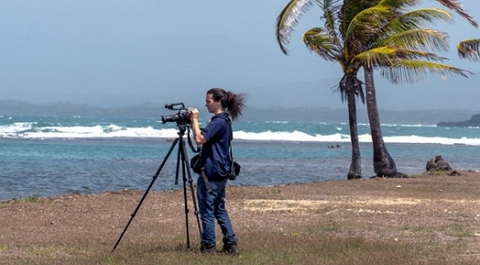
column 181, row 117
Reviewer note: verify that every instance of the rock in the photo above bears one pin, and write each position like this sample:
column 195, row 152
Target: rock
column 473, row 122
column 334, row 146
column 438, row 164
column 455, row 173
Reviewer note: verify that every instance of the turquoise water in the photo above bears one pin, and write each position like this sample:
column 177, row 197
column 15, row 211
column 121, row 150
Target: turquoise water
column 49, row 156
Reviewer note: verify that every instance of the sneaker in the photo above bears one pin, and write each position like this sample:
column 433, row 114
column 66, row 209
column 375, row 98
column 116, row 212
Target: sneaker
column 210, row 250
column 230, row 249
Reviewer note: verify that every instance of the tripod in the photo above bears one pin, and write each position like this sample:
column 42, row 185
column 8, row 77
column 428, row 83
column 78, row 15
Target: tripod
column 182, row 160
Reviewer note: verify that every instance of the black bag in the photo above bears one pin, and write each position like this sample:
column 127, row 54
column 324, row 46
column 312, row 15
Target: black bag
column 196, row 163
column 234, row 171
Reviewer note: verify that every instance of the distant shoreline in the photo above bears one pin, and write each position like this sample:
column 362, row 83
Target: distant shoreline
column 300, row 114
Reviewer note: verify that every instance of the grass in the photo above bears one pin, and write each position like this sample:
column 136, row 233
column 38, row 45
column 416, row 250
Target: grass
column 303, row 245
column 31, row 199
column 388, row 221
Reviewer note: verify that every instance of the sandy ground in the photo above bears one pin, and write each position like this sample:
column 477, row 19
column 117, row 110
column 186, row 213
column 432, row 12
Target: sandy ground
column 437, row 207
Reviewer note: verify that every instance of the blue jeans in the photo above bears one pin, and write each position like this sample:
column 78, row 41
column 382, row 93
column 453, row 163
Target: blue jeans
column 212, row 206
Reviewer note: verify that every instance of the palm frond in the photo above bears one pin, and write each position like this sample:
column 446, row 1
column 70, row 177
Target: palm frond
column 349, row 10
column 418, row 18
column 456, row 6
column 330, row 14
column 422, row 39
column 413, row 71
column 398, row 3
column 469, row 49
column 388, row 56
column 368, row 22
column 322, row 44
column 288, row 19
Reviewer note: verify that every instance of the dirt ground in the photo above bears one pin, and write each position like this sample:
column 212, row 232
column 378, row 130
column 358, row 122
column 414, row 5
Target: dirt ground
column 437, row 207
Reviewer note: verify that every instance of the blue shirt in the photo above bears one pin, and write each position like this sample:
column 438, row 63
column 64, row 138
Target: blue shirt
column 215, row 151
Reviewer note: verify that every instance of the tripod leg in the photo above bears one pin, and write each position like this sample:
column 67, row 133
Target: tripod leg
column 146, row 192
column 180, row 162
column 190, row 181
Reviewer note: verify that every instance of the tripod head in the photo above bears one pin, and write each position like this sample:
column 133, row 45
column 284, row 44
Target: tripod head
column 182, row 127
column 185, row 127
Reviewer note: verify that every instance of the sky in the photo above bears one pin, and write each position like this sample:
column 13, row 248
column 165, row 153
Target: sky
column 129, row 52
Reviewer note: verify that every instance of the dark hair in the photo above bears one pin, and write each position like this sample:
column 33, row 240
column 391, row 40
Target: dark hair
column 232, row 103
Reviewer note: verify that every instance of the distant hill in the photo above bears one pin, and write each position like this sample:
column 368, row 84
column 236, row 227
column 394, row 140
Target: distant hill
column 11, row 107
column 303, row 114
column 473, row 122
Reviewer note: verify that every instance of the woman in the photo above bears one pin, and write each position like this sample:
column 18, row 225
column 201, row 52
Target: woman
column 215, row 141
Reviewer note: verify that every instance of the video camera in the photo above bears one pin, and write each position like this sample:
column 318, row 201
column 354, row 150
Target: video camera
column 181, row 117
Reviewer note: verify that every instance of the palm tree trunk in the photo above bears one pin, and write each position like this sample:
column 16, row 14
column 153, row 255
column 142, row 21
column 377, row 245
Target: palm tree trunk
column 355, row 171
column 349, row 85
column 383, row 164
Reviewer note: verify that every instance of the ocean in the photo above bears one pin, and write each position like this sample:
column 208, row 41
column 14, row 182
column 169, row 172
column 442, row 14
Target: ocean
column 57, row 155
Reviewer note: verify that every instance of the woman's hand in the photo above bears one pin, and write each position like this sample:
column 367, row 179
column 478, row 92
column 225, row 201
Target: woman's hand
column 193, row 114
column 197, row 134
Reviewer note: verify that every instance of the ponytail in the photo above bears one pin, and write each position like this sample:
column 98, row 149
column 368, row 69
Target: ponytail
column 231, row 102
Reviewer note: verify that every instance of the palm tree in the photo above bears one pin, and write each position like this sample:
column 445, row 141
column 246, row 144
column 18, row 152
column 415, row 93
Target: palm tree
column 374, row 34
column 403, row 36
column 329, row 44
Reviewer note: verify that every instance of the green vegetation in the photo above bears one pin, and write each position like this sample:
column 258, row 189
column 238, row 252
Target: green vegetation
column 31, row 199
column 305, row 245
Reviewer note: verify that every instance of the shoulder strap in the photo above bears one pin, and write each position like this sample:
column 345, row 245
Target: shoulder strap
column 229, row 122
